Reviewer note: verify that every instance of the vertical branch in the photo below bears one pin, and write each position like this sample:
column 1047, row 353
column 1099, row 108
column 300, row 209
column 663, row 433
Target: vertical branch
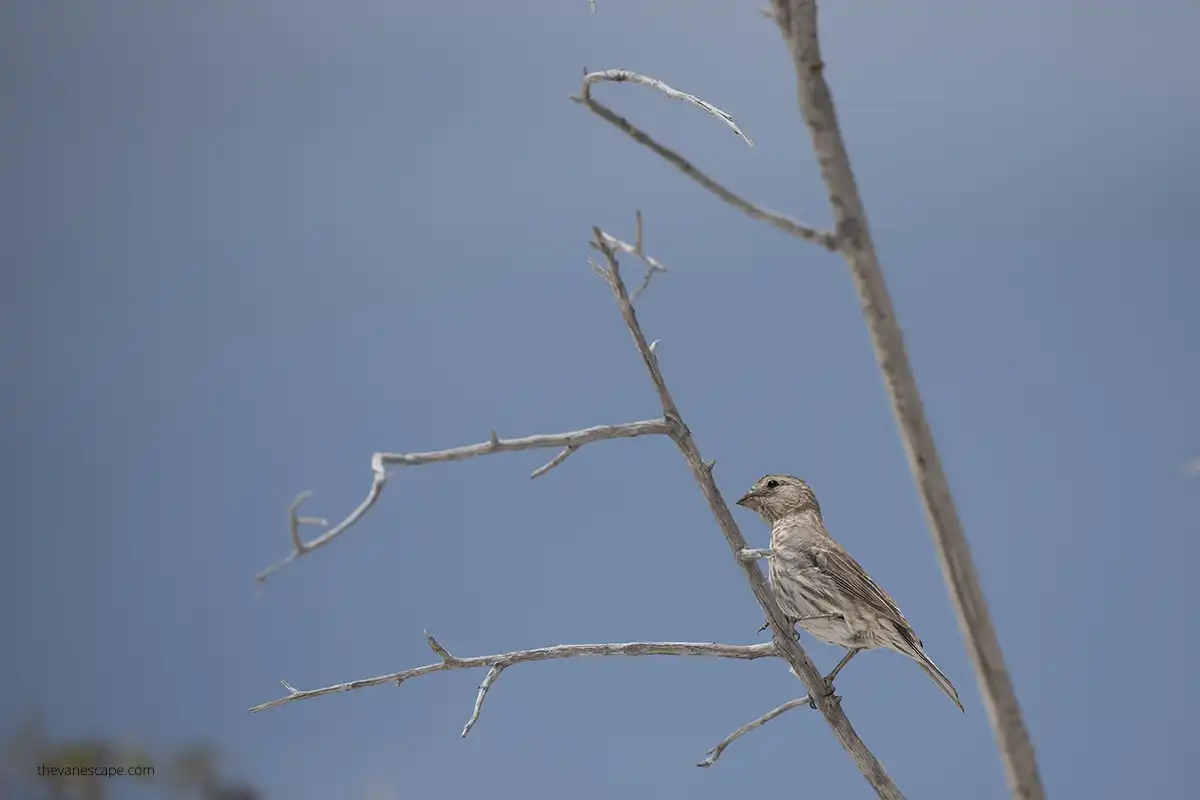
column 829, row 704
column 798, row 21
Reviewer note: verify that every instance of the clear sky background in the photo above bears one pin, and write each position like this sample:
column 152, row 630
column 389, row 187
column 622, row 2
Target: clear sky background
column 247, row 244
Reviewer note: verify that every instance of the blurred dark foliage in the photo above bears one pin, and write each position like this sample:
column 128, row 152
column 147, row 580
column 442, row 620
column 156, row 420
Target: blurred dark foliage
column 191, row 773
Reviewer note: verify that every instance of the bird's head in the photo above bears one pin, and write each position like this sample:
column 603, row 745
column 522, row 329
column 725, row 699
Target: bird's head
column 775, row 496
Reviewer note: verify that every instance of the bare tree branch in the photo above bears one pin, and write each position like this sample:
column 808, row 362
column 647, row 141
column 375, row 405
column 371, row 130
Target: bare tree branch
column 852, row 240
column 800, row 230
column 294, row 522
column 712, row 755
column 639, row 251
column 797, row 20
column 625, row 76
column 828, row 703
column 671, row 424
column 501, row 661
column 488, row 680
column 552, row 463
column 572, row 441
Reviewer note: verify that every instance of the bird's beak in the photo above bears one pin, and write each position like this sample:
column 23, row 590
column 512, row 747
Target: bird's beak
column 748, row 499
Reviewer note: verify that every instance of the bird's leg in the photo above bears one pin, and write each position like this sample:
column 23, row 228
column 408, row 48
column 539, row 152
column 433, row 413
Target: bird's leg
column 828, row 679
column 851, row 653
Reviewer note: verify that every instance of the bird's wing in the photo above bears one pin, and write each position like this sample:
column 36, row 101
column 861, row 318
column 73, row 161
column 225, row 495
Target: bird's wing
column 852, row 579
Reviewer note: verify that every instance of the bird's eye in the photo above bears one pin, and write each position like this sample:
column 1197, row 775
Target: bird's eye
column 771, row 484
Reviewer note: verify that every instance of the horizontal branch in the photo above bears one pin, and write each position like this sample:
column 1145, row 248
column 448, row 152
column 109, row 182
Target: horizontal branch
column 497, row 663
column 571, row 441
column 825, row 239
column 712, row 755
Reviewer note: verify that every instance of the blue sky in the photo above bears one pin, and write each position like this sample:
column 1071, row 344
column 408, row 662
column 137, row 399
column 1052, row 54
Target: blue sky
column 247, row 245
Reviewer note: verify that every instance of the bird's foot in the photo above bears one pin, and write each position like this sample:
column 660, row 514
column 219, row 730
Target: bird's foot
column 767, row 624
column 828, row 683
column 813, row 703
column 749, row 556
column 796, row 635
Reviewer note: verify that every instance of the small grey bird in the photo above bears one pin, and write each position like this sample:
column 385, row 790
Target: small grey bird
column 820, row 586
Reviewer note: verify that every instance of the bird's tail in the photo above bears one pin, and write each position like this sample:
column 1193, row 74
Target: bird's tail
column 917, row 653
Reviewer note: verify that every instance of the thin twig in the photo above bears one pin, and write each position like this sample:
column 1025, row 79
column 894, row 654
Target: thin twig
column 747, row 652
column 797, row 20
column 552, row 463
column 488, row 680
column 294, row 522
column 715, row 753
column 626, row 76
column 783, row 633
column 571, row 440
column 638, row 250
column 825, row 239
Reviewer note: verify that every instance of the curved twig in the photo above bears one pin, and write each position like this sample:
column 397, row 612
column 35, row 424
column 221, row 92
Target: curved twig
column 825, row 239
column 488, row 680
column 712, row 755
column 626, row 76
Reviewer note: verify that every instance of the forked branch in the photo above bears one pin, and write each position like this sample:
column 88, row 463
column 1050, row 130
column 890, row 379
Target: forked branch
column 495, row 664
column 570, row 441
column 637, row 250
